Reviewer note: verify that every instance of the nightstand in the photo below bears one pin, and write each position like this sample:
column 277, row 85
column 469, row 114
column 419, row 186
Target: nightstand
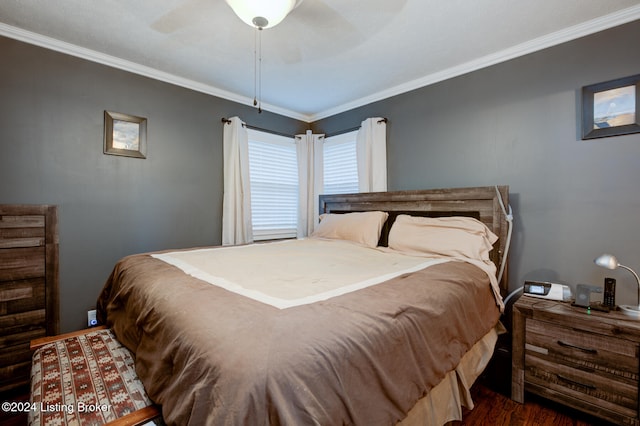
column 585, row 360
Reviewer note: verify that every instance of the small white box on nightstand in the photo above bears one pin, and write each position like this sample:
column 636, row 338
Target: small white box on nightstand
column 545, row 290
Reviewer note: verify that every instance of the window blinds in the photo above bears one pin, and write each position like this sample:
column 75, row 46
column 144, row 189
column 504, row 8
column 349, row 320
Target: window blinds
column 274, row 186
column 340, row 164
column 273, row 169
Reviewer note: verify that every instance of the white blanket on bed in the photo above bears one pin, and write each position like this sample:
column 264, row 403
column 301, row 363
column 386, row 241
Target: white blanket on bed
column 295, row 272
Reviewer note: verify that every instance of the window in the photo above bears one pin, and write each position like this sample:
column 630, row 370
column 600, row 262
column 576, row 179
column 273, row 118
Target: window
column 340, row 164
column 273, row 171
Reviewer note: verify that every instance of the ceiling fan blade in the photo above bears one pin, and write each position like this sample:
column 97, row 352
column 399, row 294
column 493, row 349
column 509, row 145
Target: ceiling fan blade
column 317, row 15
column 184, row 15
column 348, row 23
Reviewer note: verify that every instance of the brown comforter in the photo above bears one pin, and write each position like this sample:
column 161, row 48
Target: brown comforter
column 210, row 356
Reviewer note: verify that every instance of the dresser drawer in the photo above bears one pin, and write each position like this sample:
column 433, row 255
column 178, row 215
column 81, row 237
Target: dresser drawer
column 606, row 355
column 22, row 296
column 22, row 263
column 15, row 366
column 22, row 230
column 22, row 322
column 12, row 356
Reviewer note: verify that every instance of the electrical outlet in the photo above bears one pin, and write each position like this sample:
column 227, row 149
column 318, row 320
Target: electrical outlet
column 92, row 321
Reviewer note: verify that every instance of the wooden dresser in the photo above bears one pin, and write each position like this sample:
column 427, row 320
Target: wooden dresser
column 29, row 305
column 585, row 359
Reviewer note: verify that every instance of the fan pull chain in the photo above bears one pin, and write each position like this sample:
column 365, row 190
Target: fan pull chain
column 257, row 69
column 255, row 66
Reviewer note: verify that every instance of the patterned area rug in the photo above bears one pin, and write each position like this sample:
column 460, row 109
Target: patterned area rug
column 84, row 380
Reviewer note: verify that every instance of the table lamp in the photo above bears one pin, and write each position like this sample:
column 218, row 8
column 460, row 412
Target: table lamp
column 609, row 261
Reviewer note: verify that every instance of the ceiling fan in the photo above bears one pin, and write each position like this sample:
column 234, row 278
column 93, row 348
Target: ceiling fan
column 298, row 33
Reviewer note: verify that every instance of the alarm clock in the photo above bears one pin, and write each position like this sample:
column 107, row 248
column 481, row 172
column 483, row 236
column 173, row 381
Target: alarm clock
column 546, row 290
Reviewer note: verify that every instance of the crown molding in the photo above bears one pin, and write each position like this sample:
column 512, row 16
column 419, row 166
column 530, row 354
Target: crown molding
column 593, row 26
column 586, row 28
column 125, row 65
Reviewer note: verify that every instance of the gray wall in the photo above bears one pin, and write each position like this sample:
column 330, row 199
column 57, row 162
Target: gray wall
column 515, row 123
column 51, row 132
column 518, row 123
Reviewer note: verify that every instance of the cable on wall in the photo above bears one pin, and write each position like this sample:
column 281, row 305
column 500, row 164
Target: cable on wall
column 509, row 218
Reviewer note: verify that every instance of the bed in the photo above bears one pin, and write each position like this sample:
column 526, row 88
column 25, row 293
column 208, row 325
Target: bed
column 346, row 327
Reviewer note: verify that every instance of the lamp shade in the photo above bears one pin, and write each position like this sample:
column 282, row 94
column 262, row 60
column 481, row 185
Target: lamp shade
column 608, row 261
column 262, row 13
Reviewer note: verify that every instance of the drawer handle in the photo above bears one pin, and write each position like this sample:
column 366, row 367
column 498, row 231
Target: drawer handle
column 574, row 382
column 569, row 345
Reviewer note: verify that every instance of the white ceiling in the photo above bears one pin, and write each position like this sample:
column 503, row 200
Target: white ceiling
column 326, row 57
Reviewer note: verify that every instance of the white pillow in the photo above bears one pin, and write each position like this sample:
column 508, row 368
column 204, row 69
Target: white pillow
column 454, row 236
column 362, row 228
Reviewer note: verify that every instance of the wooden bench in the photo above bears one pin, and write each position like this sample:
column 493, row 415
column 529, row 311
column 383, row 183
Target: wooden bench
column 87, row 377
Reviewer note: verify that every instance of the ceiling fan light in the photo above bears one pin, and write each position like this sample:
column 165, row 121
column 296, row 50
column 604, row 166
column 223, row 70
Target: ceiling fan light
column 273, row 11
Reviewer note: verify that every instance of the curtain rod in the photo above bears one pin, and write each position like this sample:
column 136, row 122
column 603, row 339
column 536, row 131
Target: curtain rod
column 353, row 129
column 274, row 132
column 248, row 126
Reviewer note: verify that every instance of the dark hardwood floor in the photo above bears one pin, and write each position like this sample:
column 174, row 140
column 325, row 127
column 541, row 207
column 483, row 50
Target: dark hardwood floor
column 14, row 419
column 496, row 409
column 491, row 408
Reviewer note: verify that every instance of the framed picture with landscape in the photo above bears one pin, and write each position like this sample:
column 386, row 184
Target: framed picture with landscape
column 125, row 135
column 611, row 108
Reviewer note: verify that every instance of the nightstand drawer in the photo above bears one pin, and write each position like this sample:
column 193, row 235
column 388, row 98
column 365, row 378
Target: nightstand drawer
column 588, row 386
column 605, row 354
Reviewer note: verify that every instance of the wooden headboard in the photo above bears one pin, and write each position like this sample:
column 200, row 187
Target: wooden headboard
column 480, row 202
